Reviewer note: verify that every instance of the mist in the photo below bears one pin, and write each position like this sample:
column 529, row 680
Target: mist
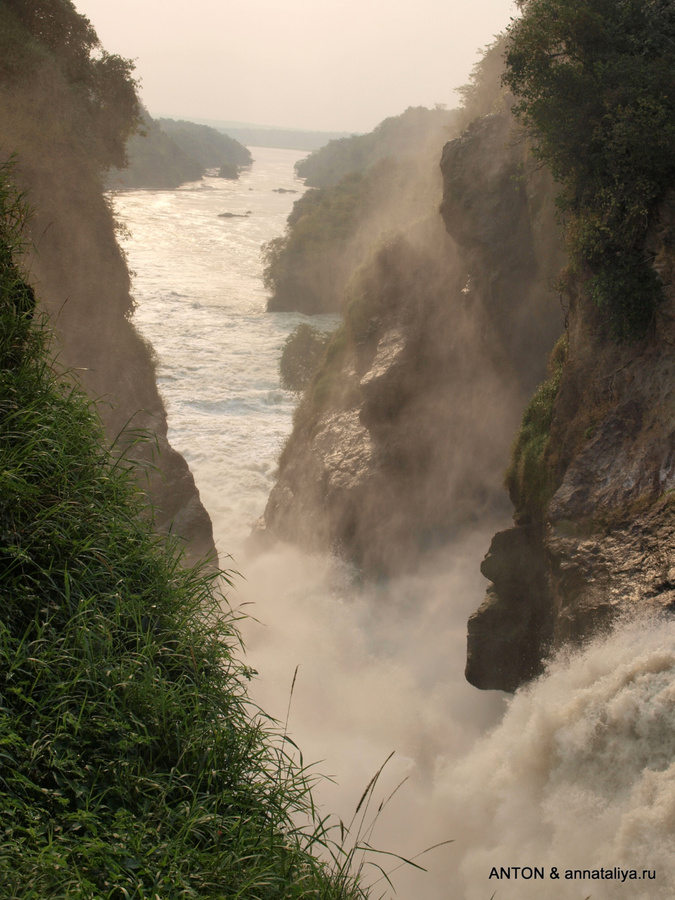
column 383, row 486
column 573, row 772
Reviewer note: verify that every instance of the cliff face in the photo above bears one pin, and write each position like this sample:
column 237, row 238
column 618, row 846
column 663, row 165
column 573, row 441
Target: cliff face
column 402, row 437
column 64, row 137
column 82, row 281
column 603, row 545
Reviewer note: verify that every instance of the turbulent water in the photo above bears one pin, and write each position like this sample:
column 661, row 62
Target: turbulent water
column 200, row 302
column 577, row 774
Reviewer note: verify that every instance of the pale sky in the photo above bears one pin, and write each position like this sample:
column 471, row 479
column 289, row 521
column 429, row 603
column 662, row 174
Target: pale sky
column 332, row 65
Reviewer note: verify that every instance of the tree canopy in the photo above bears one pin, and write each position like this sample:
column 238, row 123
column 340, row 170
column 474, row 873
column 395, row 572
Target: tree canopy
column 101, row 83
column 595, row 85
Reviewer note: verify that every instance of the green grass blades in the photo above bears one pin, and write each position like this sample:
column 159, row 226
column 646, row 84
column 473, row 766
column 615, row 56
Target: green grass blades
column 132, row 764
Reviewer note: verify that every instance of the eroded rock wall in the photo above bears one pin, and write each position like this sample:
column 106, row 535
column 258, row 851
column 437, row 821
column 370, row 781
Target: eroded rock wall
column 403, row 437
column 604, row 545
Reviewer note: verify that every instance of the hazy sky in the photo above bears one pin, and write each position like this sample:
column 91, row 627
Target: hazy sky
column 336, row 65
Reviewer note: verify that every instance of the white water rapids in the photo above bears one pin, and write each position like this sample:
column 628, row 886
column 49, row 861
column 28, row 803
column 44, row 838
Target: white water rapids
column 577, row 774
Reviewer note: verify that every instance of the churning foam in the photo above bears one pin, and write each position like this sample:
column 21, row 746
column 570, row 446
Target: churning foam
column 580, row 775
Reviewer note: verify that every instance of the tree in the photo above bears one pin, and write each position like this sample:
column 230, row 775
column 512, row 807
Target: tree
column 595, row 84
column 109, row 110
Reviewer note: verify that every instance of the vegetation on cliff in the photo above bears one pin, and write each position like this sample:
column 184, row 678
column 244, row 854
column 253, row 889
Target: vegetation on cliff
column 306, row 267
column 167, row 153
column 301, row 354
column 368, row 184
column 50, row 42
column 531, row 472
column 595, row 86
column 133, row 763
column 395, row 136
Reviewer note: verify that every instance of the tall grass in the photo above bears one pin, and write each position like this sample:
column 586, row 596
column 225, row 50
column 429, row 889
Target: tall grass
column 132, row 763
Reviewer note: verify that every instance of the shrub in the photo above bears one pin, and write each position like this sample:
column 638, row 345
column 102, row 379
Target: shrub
column 530, row 476
column 301, row 355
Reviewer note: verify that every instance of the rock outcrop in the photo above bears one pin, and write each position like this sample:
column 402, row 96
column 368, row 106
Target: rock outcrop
column 603, row 545
column 402, row 438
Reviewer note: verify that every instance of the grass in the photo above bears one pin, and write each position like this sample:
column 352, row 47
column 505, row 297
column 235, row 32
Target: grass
column 133, row 765
column 530, row 477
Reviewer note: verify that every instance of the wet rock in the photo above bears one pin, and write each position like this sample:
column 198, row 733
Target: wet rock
column 605, row 544
column 509, row 634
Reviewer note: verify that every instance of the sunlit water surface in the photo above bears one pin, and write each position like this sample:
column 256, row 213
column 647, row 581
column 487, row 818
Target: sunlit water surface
column 201, row 304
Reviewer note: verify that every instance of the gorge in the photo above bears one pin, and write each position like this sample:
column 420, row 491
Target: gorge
column 365, row 567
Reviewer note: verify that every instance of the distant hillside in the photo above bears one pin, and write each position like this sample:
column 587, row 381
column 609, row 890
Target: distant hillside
column 210, row 147
column 282, row 139
column 269, row 136
column 397, row 136
column 168, row 153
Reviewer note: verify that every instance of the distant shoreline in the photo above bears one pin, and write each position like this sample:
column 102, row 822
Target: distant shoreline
column 271, row 136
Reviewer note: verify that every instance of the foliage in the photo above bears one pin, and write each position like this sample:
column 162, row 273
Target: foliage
column 210, row 147
column 302, row 267
column 530, row 476
column 302, row 352
column 105, row 92
column 131, row 761
column 395, row 136
column 595, row 82
column 483, row 93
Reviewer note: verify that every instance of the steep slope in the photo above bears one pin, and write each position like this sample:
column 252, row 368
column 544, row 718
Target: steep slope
column 401, row 438
column 65, row 137
column 592, row 472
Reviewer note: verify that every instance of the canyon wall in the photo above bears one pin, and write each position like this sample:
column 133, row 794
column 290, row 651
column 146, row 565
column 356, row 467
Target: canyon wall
column 600, row 547
column 401, row 440
column 64, row 115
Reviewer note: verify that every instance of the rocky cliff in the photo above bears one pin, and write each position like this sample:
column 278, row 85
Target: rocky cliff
column 592, row 468
column 65, row 110
column 82, row 281
column 402, row 437
column 601, row 546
